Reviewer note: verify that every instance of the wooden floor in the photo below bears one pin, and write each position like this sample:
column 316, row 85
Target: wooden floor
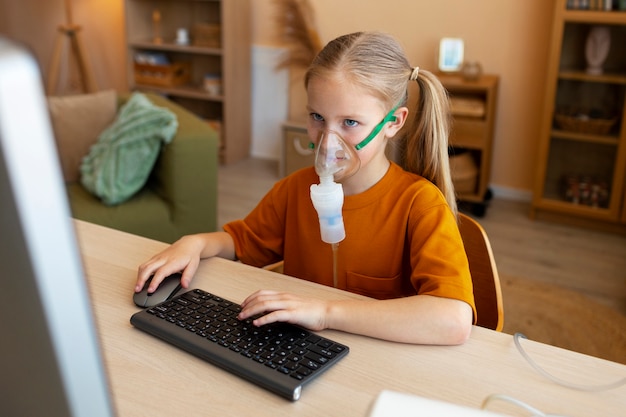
column 589, row 262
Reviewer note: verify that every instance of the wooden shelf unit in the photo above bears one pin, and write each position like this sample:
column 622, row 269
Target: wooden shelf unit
column 580, row 174
column 474, row 134
column 230, row 60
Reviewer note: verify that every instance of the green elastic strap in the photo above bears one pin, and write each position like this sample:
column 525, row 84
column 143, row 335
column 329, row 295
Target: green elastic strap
column 388, row 118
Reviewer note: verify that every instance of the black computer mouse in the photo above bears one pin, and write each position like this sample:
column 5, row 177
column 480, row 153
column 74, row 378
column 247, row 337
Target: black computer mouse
column 169, row 288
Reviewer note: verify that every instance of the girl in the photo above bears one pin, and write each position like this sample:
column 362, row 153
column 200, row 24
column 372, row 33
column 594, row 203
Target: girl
column 402, row 244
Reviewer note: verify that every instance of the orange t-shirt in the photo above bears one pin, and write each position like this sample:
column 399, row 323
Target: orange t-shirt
column 401, row 238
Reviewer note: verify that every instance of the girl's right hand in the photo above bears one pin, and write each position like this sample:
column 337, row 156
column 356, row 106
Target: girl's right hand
column 182, row 256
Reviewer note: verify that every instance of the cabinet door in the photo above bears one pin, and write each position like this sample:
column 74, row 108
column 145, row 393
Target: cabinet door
column 584, row 166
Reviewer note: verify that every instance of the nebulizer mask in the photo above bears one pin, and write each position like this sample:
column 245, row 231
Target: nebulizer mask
column 335, row 160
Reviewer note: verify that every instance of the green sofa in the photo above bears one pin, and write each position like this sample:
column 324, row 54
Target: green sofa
column 180, row 196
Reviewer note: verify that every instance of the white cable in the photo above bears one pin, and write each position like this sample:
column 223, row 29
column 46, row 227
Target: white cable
column 535, row 412
column 506, row 398
column 590, row 388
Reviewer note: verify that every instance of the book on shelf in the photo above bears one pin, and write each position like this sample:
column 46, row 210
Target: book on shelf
column 607, row 5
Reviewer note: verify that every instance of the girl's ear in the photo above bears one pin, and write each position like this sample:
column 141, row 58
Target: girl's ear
column 391, row 128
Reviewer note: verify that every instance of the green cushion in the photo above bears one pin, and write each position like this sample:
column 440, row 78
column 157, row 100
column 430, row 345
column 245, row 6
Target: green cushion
column 119, row 164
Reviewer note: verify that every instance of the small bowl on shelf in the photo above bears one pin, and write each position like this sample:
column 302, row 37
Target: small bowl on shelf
column 584, row 123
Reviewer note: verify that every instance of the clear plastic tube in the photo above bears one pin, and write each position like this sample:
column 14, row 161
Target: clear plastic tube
column 335, row 247
column 590, row 388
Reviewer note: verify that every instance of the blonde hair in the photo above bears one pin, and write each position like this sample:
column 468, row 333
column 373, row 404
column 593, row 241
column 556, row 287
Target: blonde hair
column 376, row 61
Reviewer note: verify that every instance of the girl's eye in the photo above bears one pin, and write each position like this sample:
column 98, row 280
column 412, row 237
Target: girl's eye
column 317, row 117
column 351, row 123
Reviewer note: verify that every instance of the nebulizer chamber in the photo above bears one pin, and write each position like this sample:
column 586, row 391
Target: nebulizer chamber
column 327, row 197
column 334, row 161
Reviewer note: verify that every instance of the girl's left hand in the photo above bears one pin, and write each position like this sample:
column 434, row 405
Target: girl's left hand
column 284, row 307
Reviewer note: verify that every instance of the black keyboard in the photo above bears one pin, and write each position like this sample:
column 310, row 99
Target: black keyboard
column 280, row 357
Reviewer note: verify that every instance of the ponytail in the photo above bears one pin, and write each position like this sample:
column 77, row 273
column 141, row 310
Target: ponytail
column 426, row 147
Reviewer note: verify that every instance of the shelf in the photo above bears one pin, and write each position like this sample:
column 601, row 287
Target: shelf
column 595, row 17
column 461, row 85
column 583, row 137
column 578, row 75
column 181, row 91
column 173, row 47
column 557, row 204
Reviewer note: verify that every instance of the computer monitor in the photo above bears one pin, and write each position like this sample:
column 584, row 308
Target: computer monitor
column 50, row 359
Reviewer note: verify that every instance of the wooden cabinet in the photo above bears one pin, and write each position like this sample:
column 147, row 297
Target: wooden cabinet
column 581, row 164
column 473, row 105
column 209, row 75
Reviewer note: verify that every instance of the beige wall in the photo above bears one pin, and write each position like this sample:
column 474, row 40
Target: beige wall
column 35, row 22
column 509, row 37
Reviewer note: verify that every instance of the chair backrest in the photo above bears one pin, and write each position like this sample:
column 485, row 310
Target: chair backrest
column 487, row 292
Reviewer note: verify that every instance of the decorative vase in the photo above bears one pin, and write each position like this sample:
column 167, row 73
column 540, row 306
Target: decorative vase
column 597, row 49
column 471, row 70
column 156, row 27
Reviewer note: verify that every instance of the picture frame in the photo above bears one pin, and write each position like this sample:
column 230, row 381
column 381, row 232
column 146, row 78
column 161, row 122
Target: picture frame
column 450, row 54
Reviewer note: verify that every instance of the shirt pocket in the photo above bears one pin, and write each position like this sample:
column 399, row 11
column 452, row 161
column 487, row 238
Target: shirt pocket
column 375, row 287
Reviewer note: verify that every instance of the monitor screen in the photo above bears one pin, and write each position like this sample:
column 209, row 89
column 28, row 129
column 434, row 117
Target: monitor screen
column 50, row 359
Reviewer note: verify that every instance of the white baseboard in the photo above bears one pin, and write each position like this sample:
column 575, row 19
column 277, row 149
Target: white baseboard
column 509, row 193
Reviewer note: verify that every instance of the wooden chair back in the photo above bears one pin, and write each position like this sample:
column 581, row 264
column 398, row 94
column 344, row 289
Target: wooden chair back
column 487, row 291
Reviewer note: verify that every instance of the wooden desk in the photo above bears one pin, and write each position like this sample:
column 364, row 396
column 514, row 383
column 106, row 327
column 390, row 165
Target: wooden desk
column 149, row 377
